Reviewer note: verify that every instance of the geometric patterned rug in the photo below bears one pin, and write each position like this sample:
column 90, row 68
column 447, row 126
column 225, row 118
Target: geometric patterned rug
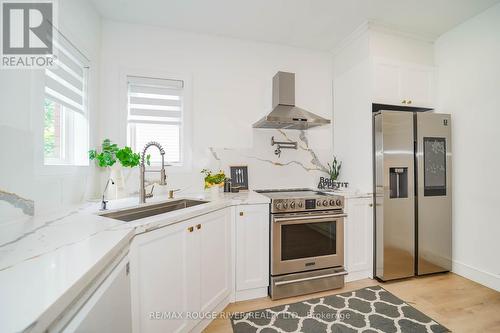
column 371, row 309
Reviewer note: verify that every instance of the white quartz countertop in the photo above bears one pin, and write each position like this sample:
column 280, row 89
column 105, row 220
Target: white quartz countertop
column 47, row 261
column 349, row 193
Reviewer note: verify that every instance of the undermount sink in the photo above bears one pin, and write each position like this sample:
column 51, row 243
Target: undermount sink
column 137, row 213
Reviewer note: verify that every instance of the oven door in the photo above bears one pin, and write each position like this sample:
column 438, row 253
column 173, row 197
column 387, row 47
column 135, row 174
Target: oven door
column 307, row 241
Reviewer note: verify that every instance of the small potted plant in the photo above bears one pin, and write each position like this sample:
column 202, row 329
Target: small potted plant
column 214, row 182
column 109, row 154
column 334, row 169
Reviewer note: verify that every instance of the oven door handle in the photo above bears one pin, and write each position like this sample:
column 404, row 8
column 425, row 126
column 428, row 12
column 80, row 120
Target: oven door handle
column 281, row 283
column 308, row 218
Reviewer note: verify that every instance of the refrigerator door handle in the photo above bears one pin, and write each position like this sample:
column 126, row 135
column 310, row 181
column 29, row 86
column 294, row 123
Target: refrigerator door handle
column 397, row 184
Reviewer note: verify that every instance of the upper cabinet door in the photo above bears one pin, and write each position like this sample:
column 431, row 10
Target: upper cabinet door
column 404, row 84
column 417, row 85
column 386, row 83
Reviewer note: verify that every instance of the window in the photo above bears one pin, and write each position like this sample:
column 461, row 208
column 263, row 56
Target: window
column 65, row 135
column 155, row 113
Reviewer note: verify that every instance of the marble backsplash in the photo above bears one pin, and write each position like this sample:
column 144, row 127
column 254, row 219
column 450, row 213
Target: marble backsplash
column 27, row 206
column 292, row 169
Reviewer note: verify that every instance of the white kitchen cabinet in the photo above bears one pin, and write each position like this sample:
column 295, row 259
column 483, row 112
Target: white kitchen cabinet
column 358, row 238
column 403, row 84
column 215, row 257
column 108, row 308
column 252, row 251
column 164, row 276
column 386, row 83
column 417, row 85
column 180, row 270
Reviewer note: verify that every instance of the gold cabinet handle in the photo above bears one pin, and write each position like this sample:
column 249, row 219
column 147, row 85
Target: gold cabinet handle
column 198, row 226
column 191, row 229
column 241, row 213
column 371, row 205
column 404, row 101
column 409, row 101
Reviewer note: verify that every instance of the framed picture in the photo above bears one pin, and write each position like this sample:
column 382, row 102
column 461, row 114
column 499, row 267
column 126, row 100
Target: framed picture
column 239, row 177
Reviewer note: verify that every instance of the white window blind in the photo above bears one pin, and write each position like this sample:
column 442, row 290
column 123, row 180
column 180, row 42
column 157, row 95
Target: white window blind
column 155, row 113
column 65, row 106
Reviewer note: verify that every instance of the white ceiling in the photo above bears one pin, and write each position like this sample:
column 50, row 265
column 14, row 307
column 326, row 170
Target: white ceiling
column 315, row 24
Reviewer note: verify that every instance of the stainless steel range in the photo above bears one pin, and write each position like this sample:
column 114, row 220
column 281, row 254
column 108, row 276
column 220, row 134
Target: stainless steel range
column 307, row 242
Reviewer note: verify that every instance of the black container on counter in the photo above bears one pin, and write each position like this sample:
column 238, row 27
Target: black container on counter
column 227, row 185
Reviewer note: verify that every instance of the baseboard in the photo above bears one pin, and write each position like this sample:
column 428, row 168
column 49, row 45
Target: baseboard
column 245, row 295
column 206, row 321
column 240, row 296
column 477, row 275
column 358, row 275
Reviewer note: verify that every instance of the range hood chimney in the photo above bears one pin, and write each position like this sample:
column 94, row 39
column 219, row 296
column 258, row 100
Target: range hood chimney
column 285, row 115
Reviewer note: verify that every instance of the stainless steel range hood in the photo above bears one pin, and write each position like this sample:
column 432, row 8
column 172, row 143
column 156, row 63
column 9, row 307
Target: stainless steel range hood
column 285, row 114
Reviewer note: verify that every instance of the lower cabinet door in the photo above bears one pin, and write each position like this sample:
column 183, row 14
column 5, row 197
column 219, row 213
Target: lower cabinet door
column 252, row 247
column 215, row 257
column 164, row 275
column 359, row 238
column 108, row 309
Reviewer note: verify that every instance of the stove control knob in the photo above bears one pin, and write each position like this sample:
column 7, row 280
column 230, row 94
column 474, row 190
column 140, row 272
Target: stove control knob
column 278, row 206
column 339, row 202
column 285, row 205
column 325, row 203
column 292, row 204
column 300, row 204
column 332, row 202
column 318, row 203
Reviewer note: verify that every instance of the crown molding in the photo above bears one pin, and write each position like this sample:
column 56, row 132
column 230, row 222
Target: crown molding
column 352, row 37
column 401, row 32
column 372, row 26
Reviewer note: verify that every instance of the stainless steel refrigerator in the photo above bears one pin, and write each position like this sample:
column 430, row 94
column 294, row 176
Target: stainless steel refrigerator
column 412, row 193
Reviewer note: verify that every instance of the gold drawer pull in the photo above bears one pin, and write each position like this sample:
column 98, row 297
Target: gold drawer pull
column 404, row 101
column 198, row 226
column 191, row 229
column 241, row 213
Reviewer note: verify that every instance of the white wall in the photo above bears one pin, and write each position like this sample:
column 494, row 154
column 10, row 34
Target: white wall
column 353, row 95
column 352, row 112
column 468, row 58
column 21, row 128
column 230, row 84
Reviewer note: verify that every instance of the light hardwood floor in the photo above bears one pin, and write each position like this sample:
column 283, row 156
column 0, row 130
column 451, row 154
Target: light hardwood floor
column 455, row 302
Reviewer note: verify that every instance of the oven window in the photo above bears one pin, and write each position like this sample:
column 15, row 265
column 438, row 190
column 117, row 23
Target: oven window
column 308, row 240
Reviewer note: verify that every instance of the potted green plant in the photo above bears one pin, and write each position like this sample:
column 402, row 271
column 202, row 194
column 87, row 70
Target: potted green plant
column 109, row 155
column 334, row 169
column 214, row 181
